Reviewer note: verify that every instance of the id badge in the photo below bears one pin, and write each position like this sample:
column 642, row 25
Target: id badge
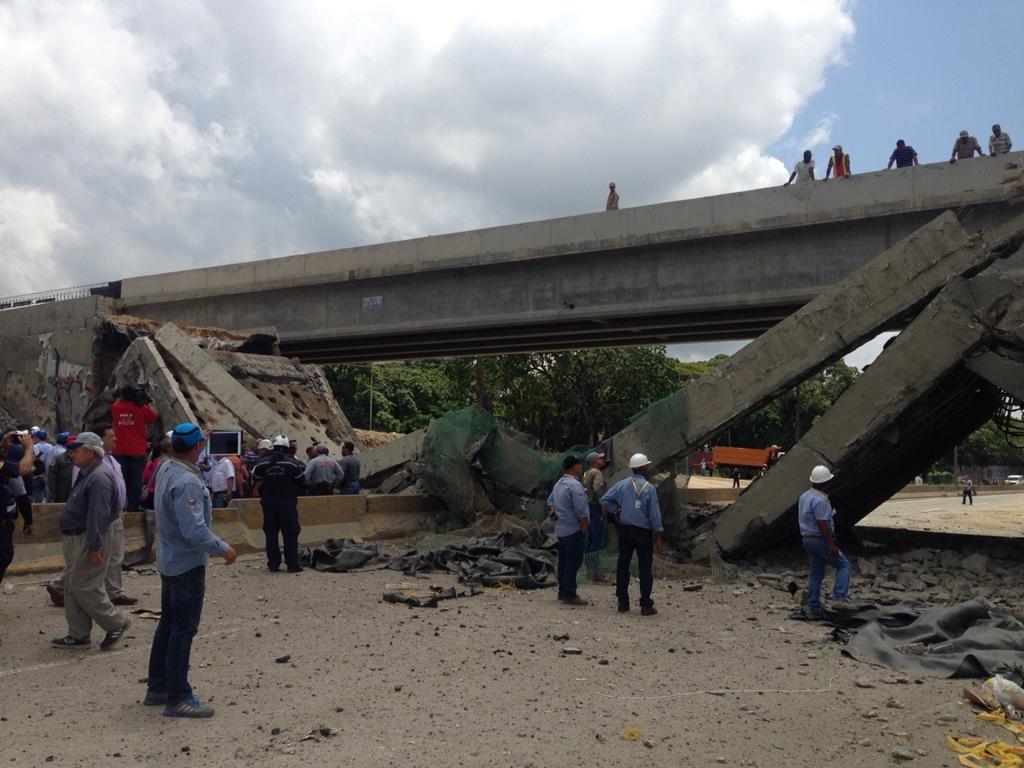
column 638, row 504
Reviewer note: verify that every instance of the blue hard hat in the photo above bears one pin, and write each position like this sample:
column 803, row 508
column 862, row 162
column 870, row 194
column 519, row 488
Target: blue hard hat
column 188, row 433
column 62, row 437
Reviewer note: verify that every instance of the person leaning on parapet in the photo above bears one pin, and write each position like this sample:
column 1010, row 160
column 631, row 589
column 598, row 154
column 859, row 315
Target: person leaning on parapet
column 999, row 142
column 612, row 203
column 350, row 466
column 85, row 522
column 131, row 415
column 903, row 156
column 323, row 473
column 595, row 486
column 839, row 163
column 279, row 480
column 13, row 463
column 818, row 530
column 640, row 530
column 183, row 515
column 964, row 147
column 803, row 170
column 572, row 519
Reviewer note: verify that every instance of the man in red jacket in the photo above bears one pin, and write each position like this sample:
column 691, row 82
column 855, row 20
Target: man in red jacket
column 132, row 414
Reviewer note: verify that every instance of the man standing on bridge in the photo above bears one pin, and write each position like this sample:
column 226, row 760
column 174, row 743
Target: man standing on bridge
column 803, row 170
column 818, row 530
column 999, row 142
column 839, row 162
column 612, row 203
column 903, row 156
column 964, row 147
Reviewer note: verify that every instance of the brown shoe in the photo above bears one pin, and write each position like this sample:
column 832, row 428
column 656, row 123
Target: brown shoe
column 57, row 598
column 124, row 600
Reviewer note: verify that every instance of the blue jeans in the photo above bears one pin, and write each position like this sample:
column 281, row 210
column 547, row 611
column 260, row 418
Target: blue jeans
column 595, row 533
column 570, row 558
column 633, row 538
column 817, row 551
column 351, row 489
column 181, row 604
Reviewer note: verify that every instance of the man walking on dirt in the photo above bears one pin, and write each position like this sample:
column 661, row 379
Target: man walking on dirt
column 818, row 530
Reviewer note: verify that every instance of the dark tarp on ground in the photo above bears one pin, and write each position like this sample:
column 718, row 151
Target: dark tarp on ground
column 489, row 561
column 962, row 640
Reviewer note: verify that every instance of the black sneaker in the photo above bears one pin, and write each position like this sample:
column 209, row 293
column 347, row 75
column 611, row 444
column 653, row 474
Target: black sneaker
column 154, row 698
column 294, row 569
column 575, row 600
column 71, row 642
column 648, row 610
column 114, row 636
column 623, row 607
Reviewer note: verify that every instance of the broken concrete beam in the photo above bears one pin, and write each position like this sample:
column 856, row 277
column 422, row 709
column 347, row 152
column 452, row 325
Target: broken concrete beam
column 142, row 362
column 253, row 415
column 891, row 287
column 1005, row 372
column 959, row 321
column 378, row 463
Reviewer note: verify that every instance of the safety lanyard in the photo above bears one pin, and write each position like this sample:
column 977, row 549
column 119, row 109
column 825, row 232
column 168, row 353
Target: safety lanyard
column 639, row 490
column 191, row 468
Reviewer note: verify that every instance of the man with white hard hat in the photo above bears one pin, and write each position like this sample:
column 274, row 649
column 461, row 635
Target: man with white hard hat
column 640, row 529
column 818, row 530
column 279, row 480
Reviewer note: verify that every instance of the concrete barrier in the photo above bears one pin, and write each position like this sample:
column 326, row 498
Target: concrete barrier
column 377, row 516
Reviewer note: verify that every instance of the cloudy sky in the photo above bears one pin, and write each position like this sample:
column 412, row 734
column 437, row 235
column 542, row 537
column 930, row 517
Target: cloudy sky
column 144, row 137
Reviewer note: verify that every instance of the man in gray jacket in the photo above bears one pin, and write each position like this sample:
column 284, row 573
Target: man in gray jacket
column 85, row 523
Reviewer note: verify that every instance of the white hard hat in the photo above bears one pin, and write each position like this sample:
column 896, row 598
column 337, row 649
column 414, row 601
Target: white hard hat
column 264, row 445
column 638, row 460
column 280, row 442
column 821, row 474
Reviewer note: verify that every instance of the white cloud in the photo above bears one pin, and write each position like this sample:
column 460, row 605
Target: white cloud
column 821, row 133
column 199, row 132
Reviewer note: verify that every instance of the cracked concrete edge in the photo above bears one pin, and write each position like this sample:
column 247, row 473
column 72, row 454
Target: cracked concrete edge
column 1004, row 372
column 253, row 415
column 851, row 312
column 942, row 335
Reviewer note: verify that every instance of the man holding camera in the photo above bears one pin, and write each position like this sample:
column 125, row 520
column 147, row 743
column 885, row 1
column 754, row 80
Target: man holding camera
column 10, row 468
column 132, row 414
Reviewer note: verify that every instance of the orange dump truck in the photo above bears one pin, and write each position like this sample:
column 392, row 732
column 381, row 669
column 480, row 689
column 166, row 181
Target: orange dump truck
column 722, row 455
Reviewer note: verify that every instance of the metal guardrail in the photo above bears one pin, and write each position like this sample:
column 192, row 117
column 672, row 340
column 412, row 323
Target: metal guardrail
column 111, row 289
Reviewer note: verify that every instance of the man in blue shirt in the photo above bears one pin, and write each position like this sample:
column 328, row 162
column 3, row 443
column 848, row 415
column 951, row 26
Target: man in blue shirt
column 818, row 530
column 903, row 156
column 572, row 518
column 636, row 502
column 183, row 515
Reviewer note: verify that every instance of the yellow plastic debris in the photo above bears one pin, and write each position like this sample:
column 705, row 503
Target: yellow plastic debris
column 630, row 733
column 998, row 716
column 978, row 753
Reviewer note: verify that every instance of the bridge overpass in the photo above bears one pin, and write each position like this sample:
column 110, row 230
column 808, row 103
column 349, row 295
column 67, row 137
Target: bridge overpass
column 723, row 267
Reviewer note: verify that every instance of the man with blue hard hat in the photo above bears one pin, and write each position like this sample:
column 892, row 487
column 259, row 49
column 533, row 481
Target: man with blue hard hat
column 635, row 501
column 183, row 516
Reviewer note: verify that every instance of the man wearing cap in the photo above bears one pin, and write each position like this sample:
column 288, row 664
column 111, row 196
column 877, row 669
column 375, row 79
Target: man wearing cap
column 14, row 463
column 839, row 162
column 183, row 515
column 595, row 486
column 323, row 473
column 999, row 142
column 636, row 502
column 85, row 523
column 964, row 147
column 115, row 578
column 279, row 479
column 817, row 528
column 612, row 203
column 572, row 518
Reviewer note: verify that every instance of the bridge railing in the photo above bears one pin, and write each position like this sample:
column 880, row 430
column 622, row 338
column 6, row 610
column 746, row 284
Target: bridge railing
column 111, row 289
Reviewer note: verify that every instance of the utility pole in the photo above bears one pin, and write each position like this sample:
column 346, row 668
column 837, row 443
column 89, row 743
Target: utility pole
column 371, row 397
column 796, row 414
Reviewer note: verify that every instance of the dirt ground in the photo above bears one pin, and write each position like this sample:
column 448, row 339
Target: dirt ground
column 480, row 681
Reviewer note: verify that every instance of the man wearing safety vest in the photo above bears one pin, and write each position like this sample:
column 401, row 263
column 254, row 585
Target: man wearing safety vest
column 839, row 162
column 636, row 502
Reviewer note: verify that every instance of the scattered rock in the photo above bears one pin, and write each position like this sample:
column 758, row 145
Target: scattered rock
column 571, row 651
column 694, row 586
column 559, row 638
column 283, row 659
column 976, row 564
column 903, row 753
column 863, row 682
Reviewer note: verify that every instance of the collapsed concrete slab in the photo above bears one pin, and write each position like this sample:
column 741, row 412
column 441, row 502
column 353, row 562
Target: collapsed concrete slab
column 918, row 398
column 879, row 296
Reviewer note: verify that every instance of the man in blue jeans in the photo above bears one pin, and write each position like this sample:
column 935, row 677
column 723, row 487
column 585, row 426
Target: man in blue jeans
column 818, row 529
column 183, row 513
column 568, row 500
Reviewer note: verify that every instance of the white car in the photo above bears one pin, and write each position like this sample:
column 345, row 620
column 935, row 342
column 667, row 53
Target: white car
column 1015, row 479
